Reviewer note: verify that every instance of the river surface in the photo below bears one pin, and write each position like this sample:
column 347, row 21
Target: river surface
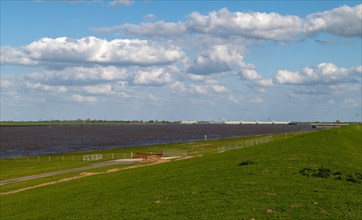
column 39, row 140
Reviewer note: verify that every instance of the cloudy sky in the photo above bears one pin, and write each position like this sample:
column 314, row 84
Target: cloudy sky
column 181, row 60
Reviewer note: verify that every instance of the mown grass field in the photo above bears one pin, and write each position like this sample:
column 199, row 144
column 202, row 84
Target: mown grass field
column 216, row 186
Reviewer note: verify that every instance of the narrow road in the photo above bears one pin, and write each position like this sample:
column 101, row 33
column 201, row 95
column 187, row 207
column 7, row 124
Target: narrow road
column 95, row 165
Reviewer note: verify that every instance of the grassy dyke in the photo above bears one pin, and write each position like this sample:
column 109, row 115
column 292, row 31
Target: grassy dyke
column 215, row 186
column 26, row 166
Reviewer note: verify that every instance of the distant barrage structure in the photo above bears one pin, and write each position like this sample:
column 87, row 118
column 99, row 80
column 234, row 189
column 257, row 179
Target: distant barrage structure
column 240, row 122
column 188, row 122
column 257, row 122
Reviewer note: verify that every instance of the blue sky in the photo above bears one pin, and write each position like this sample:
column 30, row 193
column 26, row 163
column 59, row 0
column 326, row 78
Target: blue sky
column 181, row 60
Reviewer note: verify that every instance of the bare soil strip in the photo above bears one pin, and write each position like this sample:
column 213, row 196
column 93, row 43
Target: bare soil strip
column 95, row 165
column 85, row 174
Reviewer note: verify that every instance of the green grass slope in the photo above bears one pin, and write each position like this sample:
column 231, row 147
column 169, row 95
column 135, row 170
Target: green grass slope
column 217, row 186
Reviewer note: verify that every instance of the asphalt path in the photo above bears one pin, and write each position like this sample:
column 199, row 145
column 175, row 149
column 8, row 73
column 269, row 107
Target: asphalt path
column 95, row 165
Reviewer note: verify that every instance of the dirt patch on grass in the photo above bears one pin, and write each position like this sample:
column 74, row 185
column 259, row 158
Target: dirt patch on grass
column 271, row 194
column 153, row 158
column 81, row 175
column 291, row 158
column 249, row 182
column 113, row 170
column 294, row 206
column 269, row 211
column 324, row 212
column 86, row 174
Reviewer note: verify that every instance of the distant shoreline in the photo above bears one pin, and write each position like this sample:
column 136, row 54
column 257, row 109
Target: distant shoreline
column 151, row 122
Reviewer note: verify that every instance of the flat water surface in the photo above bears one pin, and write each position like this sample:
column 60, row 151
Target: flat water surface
column 39, row 140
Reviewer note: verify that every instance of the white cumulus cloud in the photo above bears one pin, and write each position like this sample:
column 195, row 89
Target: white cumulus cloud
column 324, row 73
column 120, row 2
column 150, row 29
column 104, row 89
column 223, row 23
column 223, row 58
column 342, row 21
column 218, row 88
column 62, row 52
column 154, row 76
column 150, row 16
column 46, row 88
column 199, row 89
column 217, row 59
column 82, row 98
column 80, row 75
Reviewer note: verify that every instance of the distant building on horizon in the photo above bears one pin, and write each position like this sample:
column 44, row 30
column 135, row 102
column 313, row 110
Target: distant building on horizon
column 238, row 122
column 257, row 122
column 188, row 122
